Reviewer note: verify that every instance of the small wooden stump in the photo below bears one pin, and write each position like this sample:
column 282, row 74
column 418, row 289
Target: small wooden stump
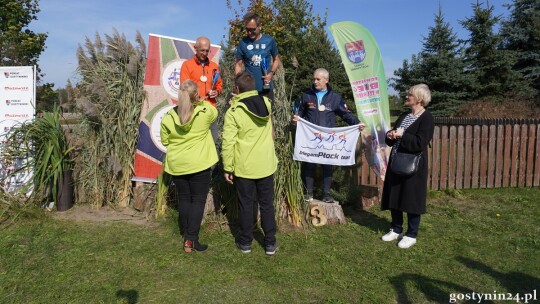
column 144, row 196
column 369, row 197
column 321, row 213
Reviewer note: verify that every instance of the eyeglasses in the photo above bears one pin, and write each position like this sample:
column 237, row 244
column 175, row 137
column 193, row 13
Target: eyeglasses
column 251, row 29
column 204, row 51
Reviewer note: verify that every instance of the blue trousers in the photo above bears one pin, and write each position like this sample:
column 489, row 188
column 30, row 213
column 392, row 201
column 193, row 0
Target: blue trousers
column 308, row 176
column 413, row 222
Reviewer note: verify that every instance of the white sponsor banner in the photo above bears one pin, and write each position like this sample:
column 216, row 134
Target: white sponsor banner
column 17, row 105
column 328, row 146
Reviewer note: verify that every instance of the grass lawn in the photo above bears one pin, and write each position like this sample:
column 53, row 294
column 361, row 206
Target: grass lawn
column 482, row 241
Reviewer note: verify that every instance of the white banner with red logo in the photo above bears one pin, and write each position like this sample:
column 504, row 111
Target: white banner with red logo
column 328, row 146
column 17, row 105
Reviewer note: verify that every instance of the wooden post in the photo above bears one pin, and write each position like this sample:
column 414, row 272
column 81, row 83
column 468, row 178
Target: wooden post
column 144, row 196
column 370, row 195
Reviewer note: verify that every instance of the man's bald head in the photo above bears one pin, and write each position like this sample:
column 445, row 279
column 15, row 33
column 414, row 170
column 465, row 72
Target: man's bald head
column 202, row 48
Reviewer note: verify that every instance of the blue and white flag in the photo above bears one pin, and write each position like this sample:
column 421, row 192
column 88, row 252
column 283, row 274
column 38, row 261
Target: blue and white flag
column 328, row 146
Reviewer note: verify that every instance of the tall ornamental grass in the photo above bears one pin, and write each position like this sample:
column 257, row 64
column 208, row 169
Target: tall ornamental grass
column 111, row 97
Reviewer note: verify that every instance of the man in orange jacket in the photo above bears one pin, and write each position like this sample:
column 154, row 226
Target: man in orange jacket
column 202, row 71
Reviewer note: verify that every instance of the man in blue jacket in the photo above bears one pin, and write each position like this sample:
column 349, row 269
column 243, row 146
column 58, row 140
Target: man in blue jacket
column 320, row 105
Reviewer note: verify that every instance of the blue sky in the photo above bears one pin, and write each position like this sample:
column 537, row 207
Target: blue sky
column 398, row 25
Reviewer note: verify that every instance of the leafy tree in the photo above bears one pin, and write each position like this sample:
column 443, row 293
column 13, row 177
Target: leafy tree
column 47, row 97
column 490, row 68
column 18, row 44
column 302, row 42
column 521, row 32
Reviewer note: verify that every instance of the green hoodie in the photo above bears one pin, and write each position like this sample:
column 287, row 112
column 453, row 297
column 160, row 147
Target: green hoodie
column 190, row 147
column 248, row 147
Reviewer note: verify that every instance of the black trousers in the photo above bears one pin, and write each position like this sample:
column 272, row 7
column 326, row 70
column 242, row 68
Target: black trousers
column 191, row 192
column 248, row 192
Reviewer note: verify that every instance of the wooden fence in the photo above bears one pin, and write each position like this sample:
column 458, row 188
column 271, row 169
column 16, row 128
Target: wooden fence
column 479, row 153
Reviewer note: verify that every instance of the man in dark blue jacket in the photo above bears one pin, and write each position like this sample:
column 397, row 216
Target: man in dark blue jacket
column 320, row 105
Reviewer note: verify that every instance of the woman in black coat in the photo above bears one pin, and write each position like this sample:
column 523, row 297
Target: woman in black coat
column 412, row 133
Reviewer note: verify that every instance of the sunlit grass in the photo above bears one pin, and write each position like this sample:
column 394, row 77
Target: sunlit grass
column 481, row 241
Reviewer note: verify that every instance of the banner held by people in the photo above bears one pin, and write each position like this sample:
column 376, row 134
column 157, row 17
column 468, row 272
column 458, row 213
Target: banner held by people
column 363, row 63
column 327, row 146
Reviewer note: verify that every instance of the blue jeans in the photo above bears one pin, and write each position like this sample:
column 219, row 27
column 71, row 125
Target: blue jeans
column 308, row 176
column 413, row 222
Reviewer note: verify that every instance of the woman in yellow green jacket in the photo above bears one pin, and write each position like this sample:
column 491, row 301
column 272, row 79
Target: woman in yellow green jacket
column 191, row 152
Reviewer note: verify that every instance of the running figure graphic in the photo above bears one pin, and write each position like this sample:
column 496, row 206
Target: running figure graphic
column 318, row 136
column 331, row 136
column 343, row 138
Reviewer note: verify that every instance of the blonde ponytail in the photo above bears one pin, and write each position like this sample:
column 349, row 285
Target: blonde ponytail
column 187, row 95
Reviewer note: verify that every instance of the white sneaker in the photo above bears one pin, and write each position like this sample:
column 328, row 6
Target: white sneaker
column 391, row 236
column 406, row 242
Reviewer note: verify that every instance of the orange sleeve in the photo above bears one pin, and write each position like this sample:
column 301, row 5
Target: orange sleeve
column 184, row 72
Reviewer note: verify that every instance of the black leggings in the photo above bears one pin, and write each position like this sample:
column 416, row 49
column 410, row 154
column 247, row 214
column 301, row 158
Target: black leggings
column 191, row 192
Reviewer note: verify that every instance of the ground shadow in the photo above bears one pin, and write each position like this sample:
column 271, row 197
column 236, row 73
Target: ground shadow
column 127, row 296
column 434, row 290
column 366, row 219
column 514, row 282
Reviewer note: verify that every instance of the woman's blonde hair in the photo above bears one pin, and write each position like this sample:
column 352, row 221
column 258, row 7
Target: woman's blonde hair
column 188, row 94
column 422, row 93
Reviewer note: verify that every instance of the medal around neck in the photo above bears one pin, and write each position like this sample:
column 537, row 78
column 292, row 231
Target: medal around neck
column 203, row 78
column 322, row 108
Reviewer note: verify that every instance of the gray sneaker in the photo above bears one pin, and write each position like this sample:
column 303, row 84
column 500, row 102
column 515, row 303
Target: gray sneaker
column 243, row 248
column 327, row 198
column 308, row 198
column 271, row 249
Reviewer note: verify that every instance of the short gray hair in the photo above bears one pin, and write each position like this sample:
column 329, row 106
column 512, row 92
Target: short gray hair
column 324, row 73
column 422, row 93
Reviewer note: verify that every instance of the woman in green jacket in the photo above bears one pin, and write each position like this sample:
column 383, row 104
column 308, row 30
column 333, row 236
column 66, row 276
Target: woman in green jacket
column 191, row 152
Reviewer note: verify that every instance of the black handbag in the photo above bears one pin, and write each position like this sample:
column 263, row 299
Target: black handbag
column 405, row 164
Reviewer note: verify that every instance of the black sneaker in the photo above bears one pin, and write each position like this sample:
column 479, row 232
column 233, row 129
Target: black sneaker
column 190, row 246
column 243, row 248
column 327, row 198
column 271, row 249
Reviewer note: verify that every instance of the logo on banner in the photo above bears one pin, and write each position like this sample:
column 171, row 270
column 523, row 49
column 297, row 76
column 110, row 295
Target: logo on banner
column 8, row 102
column 356, row 51
column 170, row 79
column 16, row 88
column 14, row 75
column 16, row 115
column 155, row 127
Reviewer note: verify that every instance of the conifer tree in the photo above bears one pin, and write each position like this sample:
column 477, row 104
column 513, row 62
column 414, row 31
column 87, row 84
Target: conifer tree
column 489, row 67
column 442, row 68
column 521, row 32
